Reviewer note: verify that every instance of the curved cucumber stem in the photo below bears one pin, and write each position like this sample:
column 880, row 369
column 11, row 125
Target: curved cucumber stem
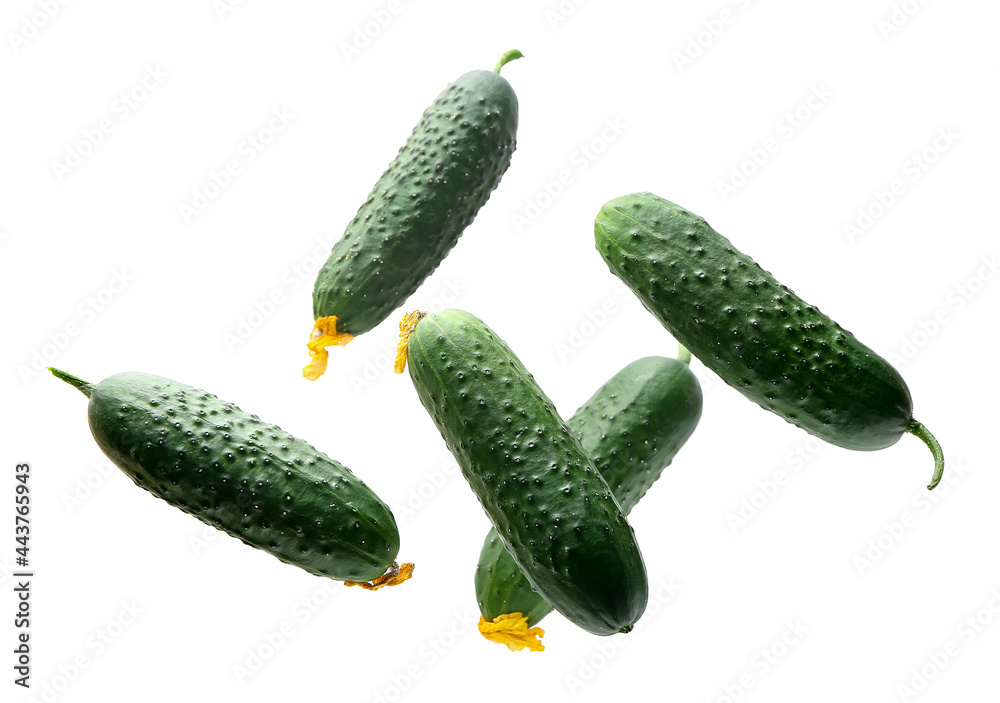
column 917, row 429
column 507, row 57
column 683, row 355
column 79, row 384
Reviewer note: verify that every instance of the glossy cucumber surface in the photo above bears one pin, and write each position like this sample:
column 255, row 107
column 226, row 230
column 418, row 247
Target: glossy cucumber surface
column 244, row 476
column 427, row 197
column 550, row 506
column 632, row 427
column 755, row 333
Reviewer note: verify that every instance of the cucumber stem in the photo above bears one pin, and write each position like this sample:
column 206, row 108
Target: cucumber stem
column 917, row 429
column 79, row 384
column 507, row 57
column 683, row 355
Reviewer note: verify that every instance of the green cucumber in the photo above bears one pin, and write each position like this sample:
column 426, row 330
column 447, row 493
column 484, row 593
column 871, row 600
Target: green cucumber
column 418, row 209
column 756, row 334
column 632, row 427
column 235, row 472
column 541, row 490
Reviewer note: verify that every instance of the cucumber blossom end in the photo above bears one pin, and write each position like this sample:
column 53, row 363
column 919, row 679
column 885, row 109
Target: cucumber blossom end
column 393, row 577
column 324, row 335
column 406, row 327
column 512, row 631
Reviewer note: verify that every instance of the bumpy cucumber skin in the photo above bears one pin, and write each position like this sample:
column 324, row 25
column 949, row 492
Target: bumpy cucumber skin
column 549, row 505
column 501, row 588
column 635, row 424
column 756, row 334
column 246, row 477
column 632, row 427
column 420, row 206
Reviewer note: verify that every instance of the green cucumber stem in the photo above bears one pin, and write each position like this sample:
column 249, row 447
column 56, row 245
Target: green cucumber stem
column 683, row 355
column 917, row 429
column 79, row 384
column 507, row 57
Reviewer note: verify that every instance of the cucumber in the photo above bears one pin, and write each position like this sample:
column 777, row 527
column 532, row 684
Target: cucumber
column 632, row 427
column 235, row 472
column 417, row 210
column 549, row 504
column 756, row 334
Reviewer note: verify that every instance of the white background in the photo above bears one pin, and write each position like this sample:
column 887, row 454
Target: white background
column 879, row 573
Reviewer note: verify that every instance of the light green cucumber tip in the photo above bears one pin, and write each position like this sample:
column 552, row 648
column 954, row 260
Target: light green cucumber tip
column 78, row 383
column 683, row 354
column 507, row 57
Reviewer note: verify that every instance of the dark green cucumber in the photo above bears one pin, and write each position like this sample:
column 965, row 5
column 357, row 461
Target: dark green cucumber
column 420, row 206
column 632, row 427
column 241, row 475
column 761, row 338
column 548, row 502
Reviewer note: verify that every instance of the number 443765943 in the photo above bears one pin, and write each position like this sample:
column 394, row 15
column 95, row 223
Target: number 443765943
column 22, row 527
